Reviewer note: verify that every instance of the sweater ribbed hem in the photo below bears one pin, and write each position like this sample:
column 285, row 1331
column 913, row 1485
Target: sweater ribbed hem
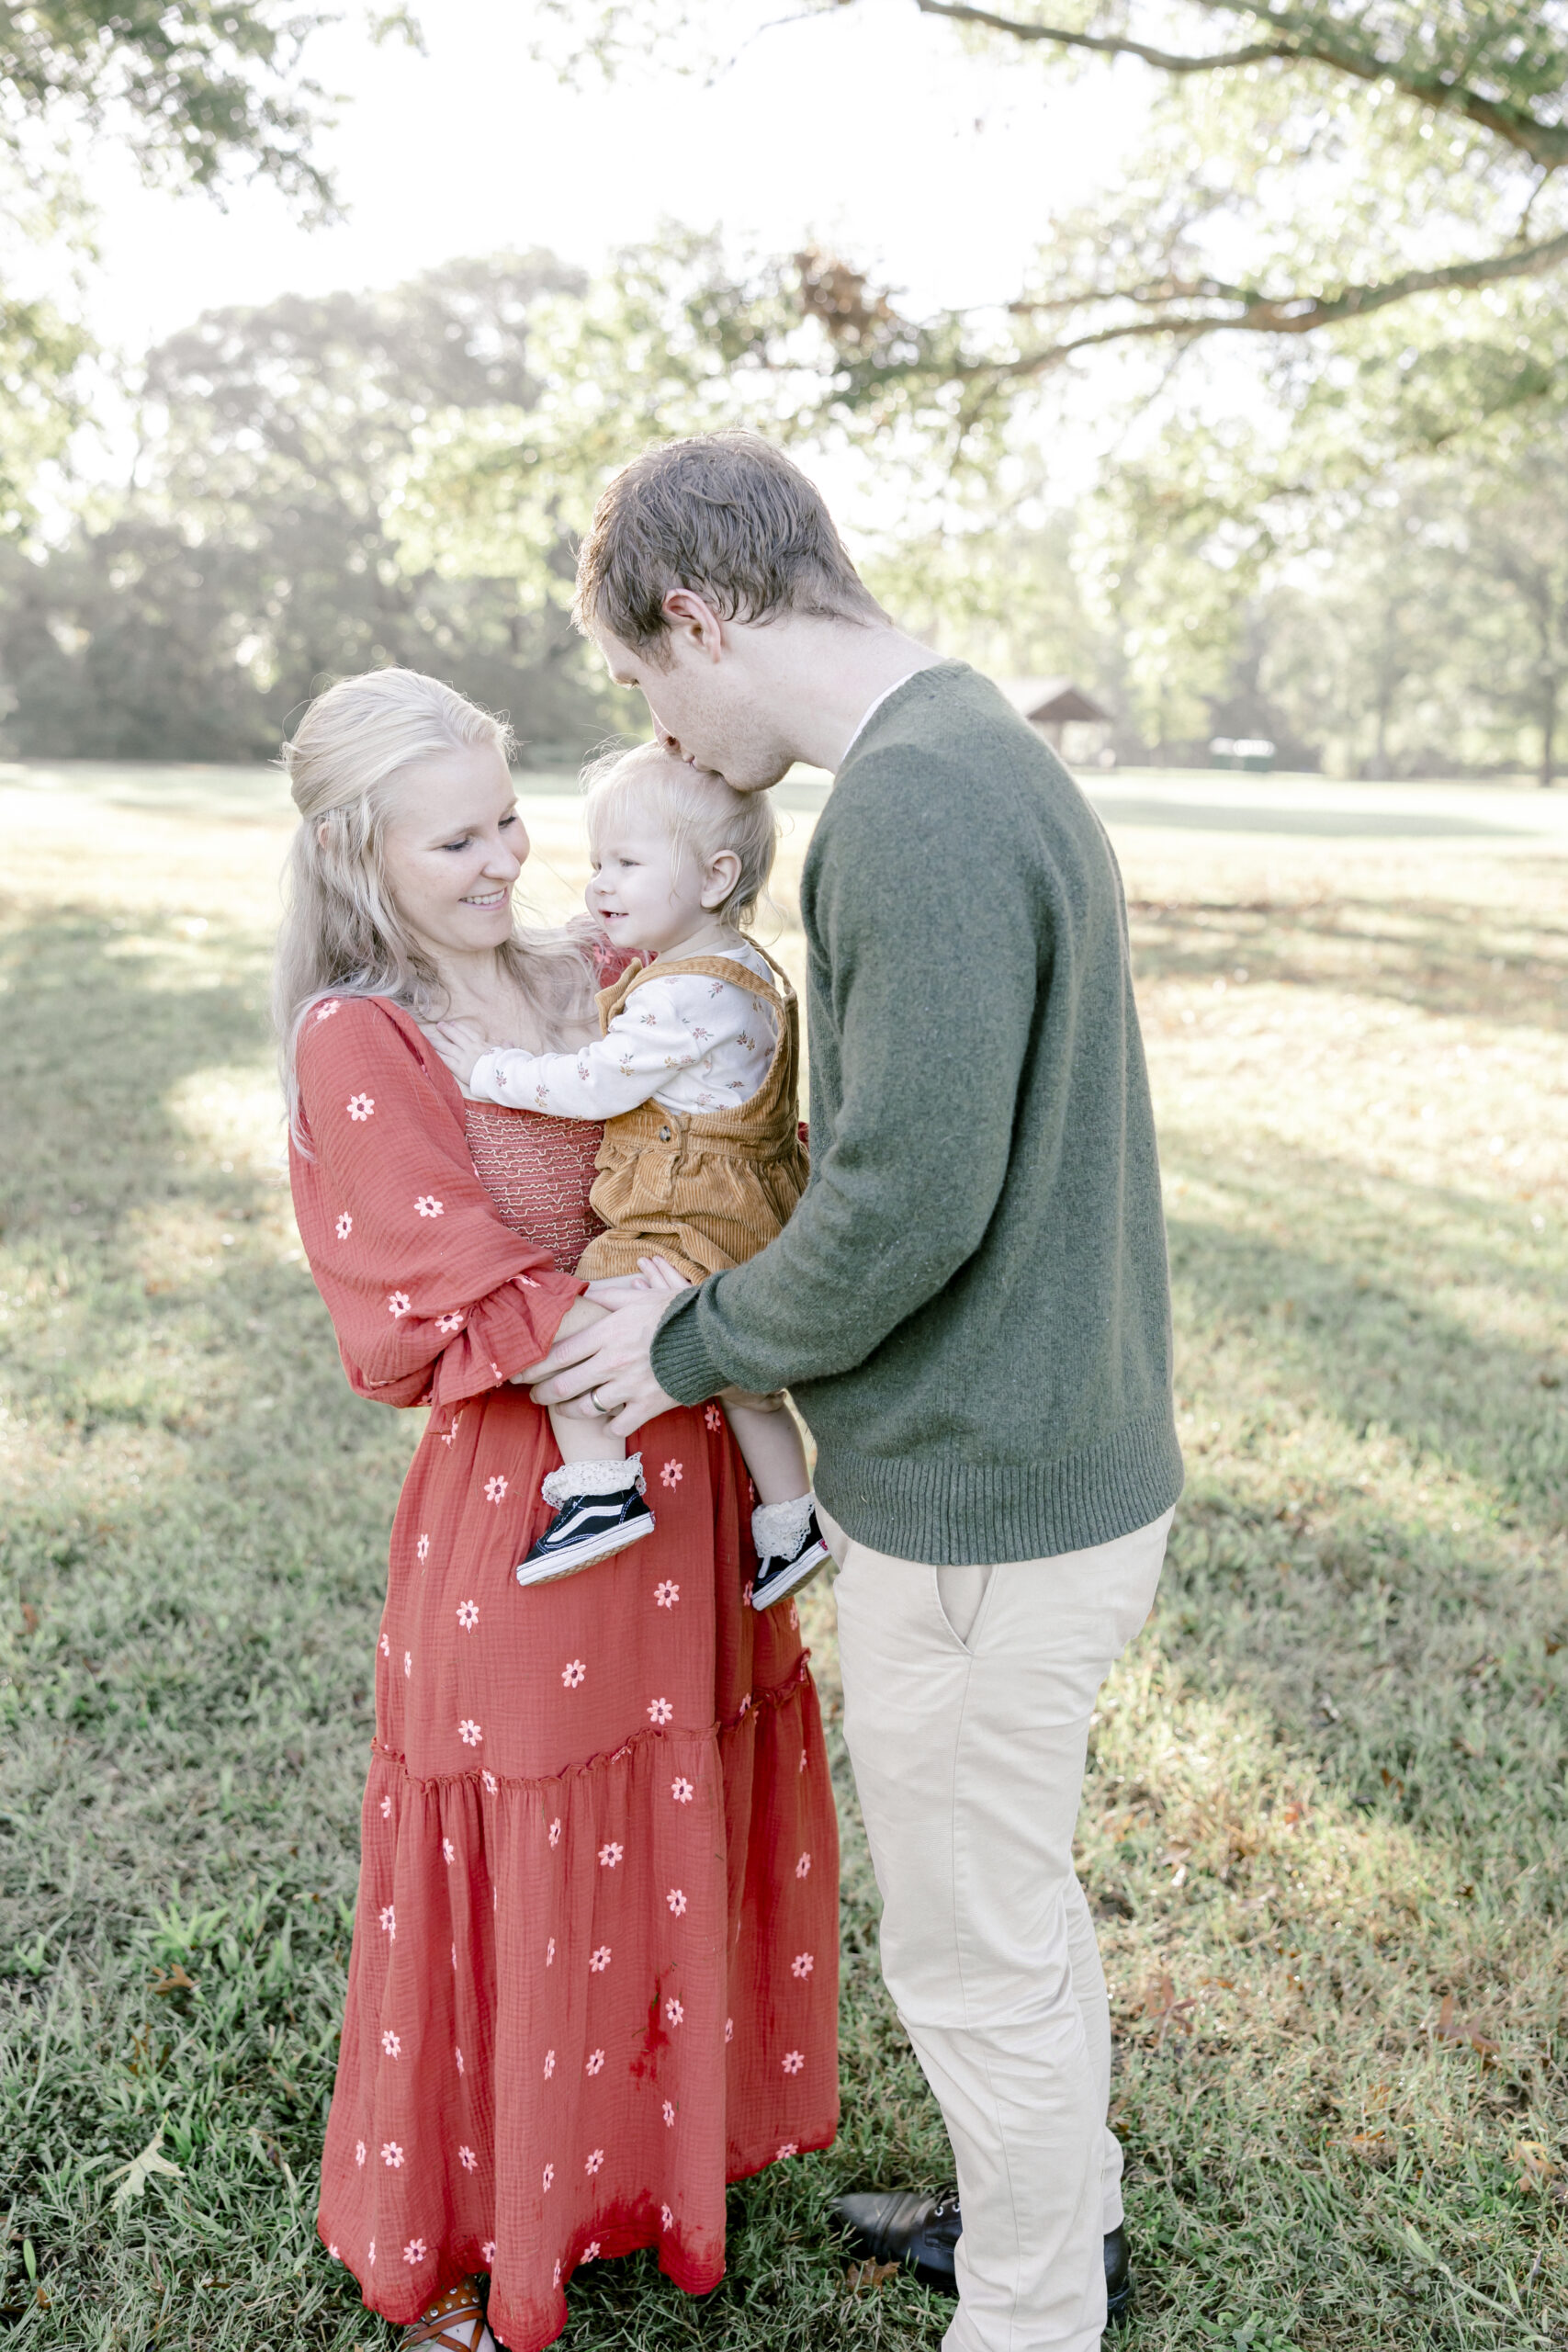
column 681, row 1364
column 961, row 1514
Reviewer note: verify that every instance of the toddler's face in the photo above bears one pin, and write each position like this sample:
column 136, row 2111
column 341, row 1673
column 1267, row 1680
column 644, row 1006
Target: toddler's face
column 642, row 892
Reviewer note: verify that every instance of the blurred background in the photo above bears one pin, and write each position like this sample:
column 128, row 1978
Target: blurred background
column 1199, row 367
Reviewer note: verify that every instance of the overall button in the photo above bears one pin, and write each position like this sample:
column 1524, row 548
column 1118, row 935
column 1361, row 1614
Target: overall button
column 663, row 1135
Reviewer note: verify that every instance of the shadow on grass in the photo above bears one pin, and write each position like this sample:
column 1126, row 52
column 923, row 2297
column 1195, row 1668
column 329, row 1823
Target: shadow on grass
column 1451, row 961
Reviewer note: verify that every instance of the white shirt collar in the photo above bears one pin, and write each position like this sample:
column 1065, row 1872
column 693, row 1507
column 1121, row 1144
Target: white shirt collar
column 869, row 713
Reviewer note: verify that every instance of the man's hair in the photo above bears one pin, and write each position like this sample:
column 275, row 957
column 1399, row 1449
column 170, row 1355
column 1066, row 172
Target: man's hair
column 726, row 516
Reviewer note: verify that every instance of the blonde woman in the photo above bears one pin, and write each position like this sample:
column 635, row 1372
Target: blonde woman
column 594, row 1963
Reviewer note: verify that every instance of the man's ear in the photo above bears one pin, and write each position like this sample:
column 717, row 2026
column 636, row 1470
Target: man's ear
column 723, row 873
column 693, row 623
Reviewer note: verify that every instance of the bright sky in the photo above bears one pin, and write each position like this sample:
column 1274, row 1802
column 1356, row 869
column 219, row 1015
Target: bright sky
column 869, row 126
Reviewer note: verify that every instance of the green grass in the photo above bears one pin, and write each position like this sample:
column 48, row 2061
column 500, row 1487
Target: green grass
column 1327, row 1825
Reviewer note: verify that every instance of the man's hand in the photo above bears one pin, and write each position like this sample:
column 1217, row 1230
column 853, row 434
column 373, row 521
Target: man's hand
column 604, row 1374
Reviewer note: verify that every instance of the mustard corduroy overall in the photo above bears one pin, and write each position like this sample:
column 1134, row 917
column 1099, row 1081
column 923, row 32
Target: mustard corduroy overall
column 704, row 1188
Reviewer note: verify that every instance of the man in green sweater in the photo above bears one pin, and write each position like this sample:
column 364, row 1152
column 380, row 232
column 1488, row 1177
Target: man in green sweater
column 970, row 1306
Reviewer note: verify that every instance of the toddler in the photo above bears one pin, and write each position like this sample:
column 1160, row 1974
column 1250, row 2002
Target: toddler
column 695, row 1076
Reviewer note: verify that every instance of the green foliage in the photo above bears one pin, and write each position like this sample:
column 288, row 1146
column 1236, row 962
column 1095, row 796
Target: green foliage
column 254, row 554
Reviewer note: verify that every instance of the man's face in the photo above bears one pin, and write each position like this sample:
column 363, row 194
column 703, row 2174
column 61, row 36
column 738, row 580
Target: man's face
column 705, row 709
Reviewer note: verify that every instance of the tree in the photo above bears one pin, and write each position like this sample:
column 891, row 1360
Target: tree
column 252, row 555
column 1310, row 166
column 200, row 91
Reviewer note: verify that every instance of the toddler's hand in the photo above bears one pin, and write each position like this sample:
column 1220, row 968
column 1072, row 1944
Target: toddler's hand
column 619, row 1290
column 459, row 1044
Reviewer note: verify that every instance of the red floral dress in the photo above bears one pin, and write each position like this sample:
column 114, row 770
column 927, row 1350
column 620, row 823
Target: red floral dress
column 596, row 1958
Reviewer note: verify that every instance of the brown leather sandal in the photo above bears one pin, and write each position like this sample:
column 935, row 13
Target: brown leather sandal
column 460, row 2302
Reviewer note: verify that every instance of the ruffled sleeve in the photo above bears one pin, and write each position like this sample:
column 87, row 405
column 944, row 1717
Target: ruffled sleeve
column 433, row 1298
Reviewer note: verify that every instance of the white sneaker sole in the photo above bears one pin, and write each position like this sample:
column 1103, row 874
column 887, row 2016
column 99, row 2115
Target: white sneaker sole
column 619, row 1539
column 802, row 1573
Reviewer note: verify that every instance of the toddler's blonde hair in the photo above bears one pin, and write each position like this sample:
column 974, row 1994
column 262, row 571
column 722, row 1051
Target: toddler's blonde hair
column 700, row 811
column 342, row 932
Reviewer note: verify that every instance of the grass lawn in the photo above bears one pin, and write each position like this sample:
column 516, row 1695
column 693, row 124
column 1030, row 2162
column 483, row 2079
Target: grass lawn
column 1327, row 1826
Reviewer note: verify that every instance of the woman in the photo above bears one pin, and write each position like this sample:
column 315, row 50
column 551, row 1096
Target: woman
column 594, row 1963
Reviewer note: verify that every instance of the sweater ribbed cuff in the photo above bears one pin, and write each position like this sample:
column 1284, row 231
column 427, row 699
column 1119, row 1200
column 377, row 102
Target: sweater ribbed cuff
column 682, row 1363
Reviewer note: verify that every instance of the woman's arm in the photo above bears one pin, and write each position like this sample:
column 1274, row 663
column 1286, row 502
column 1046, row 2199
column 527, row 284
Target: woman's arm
column 433, row 1298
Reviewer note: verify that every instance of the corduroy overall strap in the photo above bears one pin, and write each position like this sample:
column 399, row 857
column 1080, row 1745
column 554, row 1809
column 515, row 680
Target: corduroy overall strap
column 768, row 1120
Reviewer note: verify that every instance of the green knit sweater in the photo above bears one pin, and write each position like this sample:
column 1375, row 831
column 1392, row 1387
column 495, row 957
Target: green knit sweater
column 970, row 1305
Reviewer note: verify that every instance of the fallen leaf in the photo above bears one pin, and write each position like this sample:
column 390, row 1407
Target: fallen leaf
column 174, row 1981
column 1451, row 2028
column 863, row 2274
column 1372, row 2147
column 29, row 1618
column 1536, row 2170
column 1161, row 2006
column 140, row 2170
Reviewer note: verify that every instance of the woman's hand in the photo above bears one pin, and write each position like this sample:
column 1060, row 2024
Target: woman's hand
column 658, row 1275
column 459, row 1042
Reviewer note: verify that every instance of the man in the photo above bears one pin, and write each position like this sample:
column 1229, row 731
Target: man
column 970, row 1306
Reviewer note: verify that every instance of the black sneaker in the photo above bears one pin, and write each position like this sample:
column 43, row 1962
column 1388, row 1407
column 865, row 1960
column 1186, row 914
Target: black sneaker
column 921, row 2232
column 585, row 1528
column 777, row 1576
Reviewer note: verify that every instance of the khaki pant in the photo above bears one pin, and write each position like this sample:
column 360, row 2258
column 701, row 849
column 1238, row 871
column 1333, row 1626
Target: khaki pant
column 968, row 1698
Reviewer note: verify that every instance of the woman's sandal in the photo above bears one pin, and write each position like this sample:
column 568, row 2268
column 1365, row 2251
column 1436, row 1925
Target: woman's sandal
column 461, row 2302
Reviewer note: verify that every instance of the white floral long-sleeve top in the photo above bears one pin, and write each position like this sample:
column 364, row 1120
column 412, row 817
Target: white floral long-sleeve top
column 689, row 1043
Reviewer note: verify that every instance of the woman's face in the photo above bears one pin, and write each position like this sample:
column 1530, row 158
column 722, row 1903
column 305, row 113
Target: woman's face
column 453, row 848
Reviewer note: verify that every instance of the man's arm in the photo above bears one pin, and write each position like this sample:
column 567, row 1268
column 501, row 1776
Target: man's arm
column 932, row 929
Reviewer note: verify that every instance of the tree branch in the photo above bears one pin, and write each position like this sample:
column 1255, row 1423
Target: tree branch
column 1291, row 314
column 1304, row 40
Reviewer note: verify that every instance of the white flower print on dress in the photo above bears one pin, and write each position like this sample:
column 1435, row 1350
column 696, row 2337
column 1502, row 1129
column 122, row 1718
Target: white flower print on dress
column 391, row 2155
column 495, row 1489
column 551, row 1953
column 596, row 2063
column 459, row 2056
column 449, row 1851
column 556, row 2280
column 676, row 1899
column 392, row 2043
column 666, row 2218
column 399, row 1304
column 599, row 1959
column 660, row 1711
column 554, row 1831
column 674, row 2010
column 345, row 1225
column 428, row 1205
column 488, row 2251
column 592, row 2163
column 385, row 1646
column 790, row 2148
column 682, row 1790
column 359, row 2152
column 492, row 1786
column 408, row 1664
column 548, row 2176
column 415, row 2250
column 793, row 1618
column 712, row 1417
column 747, row 1589
column 730, row 2028
column 467, row 1615
column 803, row 1868
column 667, row 1594
column 390, row 1921
column 670, row 2111
column 803, row 1964
column 549, row 2063
column 334, row 2254
column 448, row 1323
column 448, row 1436
column 422, row 1549
column 574, row 1673
column 793, row 2061
column 372, row 2253
column 803, row 1759
column 470, row 1735
column 325, row 1013
column 610, row 1855
column 589, row 2252
column 386, row 1808
column 467, row 2159
column 672, row 1472
column 359, row 1107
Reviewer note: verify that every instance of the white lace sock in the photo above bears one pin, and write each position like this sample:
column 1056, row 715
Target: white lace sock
column 575, row 1478
column 778, row 1530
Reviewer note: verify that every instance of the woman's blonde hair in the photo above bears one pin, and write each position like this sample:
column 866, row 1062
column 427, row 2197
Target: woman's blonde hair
column 700, row 811
column 343, row 932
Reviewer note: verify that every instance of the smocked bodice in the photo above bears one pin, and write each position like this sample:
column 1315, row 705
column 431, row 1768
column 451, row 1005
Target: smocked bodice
column 538, row 1172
